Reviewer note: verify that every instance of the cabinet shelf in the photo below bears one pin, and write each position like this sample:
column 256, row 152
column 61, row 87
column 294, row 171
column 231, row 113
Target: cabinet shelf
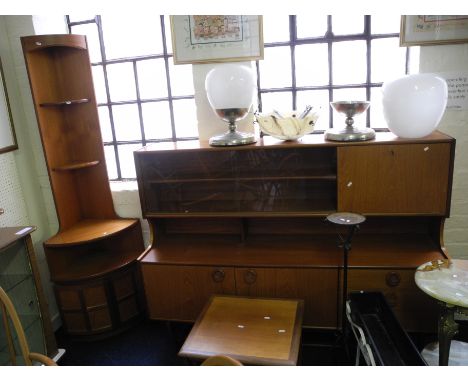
column 9, row 235
column 9, row 282
column 89, row 230
column 76, row 166
column 327, row 177
column 319, row 251
column 64, row 103
column 246, row 214
column 82, row 268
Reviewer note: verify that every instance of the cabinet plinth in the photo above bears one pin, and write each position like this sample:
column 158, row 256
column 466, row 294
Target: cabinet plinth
column 95, row 251
column 251, row 221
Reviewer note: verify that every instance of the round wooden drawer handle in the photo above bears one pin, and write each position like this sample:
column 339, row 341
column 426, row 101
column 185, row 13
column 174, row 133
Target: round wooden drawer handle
column 393, row 279
column 250, row 276
column 218, row 275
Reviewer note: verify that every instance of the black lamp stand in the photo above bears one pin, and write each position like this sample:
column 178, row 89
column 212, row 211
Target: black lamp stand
column 351, row 221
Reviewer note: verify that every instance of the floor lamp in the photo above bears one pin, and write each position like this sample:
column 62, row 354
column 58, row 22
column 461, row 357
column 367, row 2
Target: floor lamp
column 351, row 221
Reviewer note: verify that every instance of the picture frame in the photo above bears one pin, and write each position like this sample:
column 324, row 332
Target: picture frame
column 433, row 29
column 7, row 132
column 216, row 38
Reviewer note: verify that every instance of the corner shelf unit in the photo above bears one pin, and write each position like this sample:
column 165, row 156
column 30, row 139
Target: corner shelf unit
column 92, row 258
column 250, row 220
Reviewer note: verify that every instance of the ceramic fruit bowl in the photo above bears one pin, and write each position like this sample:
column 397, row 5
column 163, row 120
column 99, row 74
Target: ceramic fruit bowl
column 287, row 126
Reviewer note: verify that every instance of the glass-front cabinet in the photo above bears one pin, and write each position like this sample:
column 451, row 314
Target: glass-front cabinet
column 19, row 278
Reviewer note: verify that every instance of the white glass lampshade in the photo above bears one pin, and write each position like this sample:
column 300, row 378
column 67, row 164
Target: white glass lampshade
column 230, row 86
column 414, row 105
column 230, row 91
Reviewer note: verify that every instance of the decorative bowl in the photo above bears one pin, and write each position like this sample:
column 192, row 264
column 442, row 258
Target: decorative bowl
column 288, row 127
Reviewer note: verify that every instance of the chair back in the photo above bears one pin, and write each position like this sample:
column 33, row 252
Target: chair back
column 12, row 324
column 221, row 360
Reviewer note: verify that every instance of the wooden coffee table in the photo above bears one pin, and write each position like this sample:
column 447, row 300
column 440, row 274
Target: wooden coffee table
column 255, row 331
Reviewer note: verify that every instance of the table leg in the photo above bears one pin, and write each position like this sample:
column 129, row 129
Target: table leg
column 447, row 329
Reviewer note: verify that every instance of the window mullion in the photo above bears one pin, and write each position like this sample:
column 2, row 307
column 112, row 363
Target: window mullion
column 293, row 38
column 106, row 84
column 168, row 79
column 368, row 32
column 329, row 37
column 140, row 111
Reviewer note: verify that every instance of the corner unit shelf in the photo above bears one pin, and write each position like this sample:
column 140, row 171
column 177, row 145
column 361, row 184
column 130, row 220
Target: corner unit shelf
column 64, row 103
column 76, row 166
column 93, row 257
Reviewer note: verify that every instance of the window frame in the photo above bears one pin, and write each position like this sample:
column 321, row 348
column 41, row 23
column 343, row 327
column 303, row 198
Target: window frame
column 329, row 38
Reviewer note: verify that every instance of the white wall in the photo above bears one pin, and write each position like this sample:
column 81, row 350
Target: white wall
column 448, row 58
column 25, row 192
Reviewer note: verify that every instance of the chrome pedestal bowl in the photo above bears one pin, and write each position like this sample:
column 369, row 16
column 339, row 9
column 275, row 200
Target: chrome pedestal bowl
column 350, row 132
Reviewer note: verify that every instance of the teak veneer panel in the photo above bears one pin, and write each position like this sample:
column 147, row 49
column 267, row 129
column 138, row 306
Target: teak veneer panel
column 59, row 71
column 257, row 341
column 384, row 250
column 90, row 230
column 392, row 179
column 180, row 293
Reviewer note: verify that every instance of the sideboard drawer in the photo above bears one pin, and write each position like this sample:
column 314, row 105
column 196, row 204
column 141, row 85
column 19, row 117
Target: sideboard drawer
column 414, row 309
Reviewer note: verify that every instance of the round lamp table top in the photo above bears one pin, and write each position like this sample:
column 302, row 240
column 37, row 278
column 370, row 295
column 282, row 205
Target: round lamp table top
column 445, row 280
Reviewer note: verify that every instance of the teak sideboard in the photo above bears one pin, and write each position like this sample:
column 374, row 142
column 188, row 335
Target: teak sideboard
column 250, row 220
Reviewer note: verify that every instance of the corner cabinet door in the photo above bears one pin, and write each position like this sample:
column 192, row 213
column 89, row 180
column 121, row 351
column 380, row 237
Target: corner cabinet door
column 394, row 179
column 179, row 292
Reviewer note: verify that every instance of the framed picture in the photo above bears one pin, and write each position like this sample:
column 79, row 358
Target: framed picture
column 433, row 30
column 7, row 132
column 216, row 38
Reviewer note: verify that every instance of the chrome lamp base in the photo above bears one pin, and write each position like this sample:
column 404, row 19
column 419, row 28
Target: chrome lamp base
column 350, row 134
column 232, row 138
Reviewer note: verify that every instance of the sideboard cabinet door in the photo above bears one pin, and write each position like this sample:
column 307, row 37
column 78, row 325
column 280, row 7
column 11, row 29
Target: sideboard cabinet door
column 317, row 286
column 394, row 179
column 181, row 292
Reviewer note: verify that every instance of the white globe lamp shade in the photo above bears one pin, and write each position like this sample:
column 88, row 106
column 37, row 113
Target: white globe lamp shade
column 230, row 86
column 230, row 89
column 414, row 105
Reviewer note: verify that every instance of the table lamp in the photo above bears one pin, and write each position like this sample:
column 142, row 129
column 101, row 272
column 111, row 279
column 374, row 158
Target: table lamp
column 230, row 91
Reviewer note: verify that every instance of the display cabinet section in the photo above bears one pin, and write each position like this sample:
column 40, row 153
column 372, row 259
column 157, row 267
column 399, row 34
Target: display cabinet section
column 237, row 181
column 14, row 266
column 231, row 196
column 20, row 278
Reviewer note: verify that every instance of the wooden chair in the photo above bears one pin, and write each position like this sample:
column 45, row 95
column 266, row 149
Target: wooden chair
column 9, row 315
column 221, row 360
